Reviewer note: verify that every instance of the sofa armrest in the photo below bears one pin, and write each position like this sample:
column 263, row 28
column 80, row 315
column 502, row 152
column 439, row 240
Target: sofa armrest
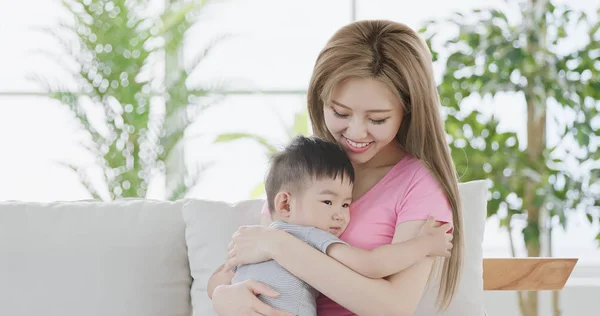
column 526, row 274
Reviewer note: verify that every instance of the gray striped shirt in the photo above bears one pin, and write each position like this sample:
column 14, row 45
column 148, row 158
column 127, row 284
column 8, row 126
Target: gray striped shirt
column 295, row 295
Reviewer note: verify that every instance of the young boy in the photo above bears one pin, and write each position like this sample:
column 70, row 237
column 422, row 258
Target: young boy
column 309, row 191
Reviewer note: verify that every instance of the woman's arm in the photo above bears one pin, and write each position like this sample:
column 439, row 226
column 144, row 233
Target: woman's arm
column 223, row 276
column 241, row 298
column 389, row 259
column 338, row 282
column 382, row 261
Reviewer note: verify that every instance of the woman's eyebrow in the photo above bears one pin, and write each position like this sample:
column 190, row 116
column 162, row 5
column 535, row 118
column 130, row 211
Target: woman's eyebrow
column 369, row 111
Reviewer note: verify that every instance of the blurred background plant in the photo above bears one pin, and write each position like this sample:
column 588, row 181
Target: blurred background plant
column 531, row 181
column 299, row 126
column 132, row 95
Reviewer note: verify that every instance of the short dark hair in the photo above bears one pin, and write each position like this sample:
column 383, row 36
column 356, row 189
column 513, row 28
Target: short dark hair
column 303, row 158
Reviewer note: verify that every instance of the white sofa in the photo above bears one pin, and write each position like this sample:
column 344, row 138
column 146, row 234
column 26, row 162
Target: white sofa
column 137, row 257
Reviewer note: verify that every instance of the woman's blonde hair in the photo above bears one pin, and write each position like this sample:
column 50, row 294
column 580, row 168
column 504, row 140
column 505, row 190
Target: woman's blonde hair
column 395, row 55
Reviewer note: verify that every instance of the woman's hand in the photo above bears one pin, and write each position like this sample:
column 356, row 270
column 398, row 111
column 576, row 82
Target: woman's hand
column 251, row 244
column 240, row 299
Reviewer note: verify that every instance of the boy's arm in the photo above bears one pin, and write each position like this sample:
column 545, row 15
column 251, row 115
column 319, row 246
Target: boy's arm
column 382, row 261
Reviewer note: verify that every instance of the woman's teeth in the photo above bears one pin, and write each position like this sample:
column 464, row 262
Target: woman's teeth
column 357, row 145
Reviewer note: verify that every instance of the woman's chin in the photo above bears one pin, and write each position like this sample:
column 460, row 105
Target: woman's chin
column 359, row 158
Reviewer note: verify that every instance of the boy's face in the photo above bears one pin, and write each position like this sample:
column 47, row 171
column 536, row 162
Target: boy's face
column 323, row 204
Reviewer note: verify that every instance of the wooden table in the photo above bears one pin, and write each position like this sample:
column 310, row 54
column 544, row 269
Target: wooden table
column 526, row 274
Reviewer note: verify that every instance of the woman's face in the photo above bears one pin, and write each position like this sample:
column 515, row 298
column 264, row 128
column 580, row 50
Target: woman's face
column 364, row 117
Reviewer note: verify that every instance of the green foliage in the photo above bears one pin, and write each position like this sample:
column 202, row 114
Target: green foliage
column 125, row 64
column 526, row 57
column 492, row 54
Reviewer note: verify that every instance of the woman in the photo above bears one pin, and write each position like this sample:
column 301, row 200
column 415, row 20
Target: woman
column 372, row 92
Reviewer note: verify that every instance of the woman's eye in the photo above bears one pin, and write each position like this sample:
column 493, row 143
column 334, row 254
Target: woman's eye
column 378, row 122
column 328, row 202
column 337, row 114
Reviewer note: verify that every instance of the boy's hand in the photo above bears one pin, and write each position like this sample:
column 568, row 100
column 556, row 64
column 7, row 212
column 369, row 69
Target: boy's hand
column 439, row 240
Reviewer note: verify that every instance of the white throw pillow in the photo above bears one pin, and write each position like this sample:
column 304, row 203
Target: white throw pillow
column 469, row 296
column 210, row 225
column 124, row 258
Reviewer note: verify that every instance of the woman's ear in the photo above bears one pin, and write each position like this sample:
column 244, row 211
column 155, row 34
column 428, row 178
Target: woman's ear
column 282, row 205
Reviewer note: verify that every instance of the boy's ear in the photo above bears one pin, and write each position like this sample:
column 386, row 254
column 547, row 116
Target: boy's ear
column 282, row 204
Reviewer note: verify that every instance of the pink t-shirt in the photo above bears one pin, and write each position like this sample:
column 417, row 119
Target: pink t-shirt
column 407, row 192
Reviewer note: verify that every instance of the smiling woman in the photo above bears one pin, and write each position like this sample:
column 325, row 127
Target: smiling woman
column 364, row 117
column 404, row 172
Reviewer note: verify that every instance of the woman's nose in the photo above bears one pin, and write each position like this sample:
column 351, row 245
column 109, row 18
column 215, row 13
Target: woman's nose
column 357, row 130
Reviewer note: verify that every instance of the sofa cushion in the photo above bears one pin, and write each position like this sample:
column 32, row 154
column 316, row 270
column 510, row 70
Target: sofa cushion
column 210, row 225
column 125, row 258
column 469, row 296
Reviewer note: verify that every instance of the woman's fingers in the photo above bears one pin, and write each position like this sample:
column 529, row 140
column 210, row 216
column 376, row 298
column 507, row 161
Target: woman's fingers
column 446, row 227
column 263, row 289
column 231, row 252
column 259, row 306
column 235, row 235
column 430, row 220
column 231, row 262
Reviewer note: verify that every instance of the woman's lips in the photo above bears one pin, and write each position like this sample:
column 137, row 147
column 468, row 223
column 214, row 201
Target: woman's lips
column 357, row 147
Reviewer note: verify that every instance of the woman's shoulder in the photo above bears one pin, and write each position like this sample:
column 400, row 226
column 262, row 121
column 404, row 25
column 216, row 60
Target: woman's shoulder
column 422, row 193
column 411, row 171
column 408, row 179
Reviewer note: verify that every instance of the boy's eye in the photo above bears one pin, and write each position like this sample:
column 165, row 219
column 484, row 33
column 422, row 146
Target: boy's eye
column 328, row 202
column 346, row 205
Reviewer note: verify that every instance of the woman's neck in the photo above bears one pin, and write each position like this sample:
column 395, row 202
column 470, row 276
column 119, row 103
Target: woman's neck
column 388, row 156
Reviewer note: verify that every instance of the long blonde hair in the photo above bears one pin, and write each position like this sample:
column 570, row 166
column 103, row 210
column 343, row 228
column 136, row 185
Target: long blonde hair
column 395, row 55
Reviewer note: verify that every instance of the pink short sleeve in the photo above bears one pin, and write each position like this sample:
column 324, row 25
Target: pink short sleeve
column 424, row 197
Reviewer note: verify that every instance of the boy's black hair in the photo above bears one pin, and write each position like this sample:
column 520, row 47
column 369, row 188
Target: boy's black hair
column 302, row 159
